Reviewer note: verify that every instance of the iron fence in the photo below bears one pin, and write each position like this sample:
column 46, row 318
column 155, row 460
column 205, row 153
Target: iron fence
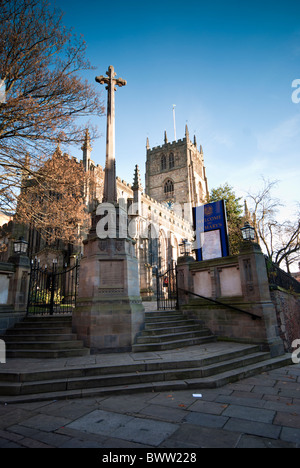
column 167, row 292
column 280, row 278
column 52, row 291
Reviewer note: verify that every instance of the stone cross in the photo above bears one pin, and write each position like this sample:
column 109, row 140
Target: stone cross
column 110, row 185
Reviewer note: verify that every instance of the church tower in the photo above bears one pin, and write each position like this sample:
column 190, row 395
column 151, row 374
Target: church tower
column 175, row 173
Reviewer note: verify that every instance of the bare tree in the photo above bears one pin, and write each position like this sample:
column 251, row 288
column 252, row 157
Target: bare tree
column 42, row 93
column 288, row 249
column 279, row 239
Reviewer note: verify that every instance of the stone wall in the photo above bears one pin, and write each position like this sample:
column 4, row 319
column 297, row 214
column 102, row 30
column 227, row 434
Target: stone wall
column 287, row 307
column 220, row 280
column 231, row 296
column 14, row 282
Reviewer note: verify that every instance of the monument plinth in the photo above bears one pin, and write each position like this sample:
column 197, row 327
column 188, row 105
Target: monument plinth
column 109, row 313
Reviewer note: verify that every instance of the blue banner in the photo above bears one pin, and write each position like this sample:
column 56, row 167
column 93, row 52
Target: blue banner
column 210, row 224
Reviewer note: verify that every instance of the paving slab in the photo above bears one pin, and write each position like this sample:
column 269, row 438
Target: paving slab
column 125, row 427
column 244, row 426
column 193, row 436
column 248, row 441
column 206, row 420
column 44, row 422
column 146, row 431
column 124, row 403
column 291, row 435
column 237, row 400
column 208, row 407
column 100, row 422
column 291, row 419
column 166, row 413
column 249, row 413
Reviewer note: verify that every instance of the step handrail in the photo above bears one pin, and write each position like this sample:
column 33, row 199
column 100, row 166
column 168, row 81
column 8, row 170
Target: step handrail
column 253, row 316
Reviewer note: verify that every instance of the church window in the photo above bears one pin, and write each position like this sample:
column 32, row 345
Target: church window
column 171, row 160
column 163, row 162
column 169, row 188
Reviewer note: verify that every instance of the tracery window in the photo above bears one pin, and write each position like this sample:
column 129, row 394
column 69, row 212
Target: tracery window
column 171, row 160
column 163, row 162
column 169, row 187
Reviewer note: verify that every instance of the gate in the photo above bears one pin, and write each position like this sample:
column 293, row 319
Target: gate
column 52, row 291
column 167, row 292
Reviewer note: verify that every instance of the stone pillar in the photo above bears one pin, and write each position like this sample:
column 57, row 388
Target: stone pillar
column 19, row 284
column 255, row 288
column 109, row 313
column 14, row 285
column 184, row 279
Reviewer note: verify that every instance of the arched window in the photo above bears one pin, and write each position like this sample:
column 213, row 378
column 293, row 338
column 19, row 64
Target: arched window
column 171, row 160
column 163, row 162
column 163, row 251
column 169, row 188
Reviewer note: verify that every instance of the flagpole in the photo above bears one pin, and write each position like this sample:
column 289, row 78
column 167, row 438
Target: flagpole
column 174, row 105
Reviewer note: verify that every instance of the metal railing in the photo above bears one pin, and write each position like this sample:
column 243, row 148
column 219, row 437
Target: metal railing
column 52, row 291
column 223, row 304
column 280, row 278
column 166, row 289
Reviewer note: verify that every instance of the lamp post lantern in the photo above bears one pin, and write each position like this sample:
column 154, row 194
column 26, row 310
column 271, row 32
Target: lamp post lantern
column 248, row 232
column 20, row 246
column 185, row 248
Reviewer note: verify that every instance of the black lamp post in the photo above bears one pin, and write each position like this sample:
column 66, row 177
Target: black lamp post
column 20, row 246
column 248, row 232
column 185, row 248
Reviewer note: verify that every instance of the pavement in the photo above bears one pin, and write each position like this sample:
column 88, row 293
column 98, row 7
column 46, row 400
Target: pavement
column 262, row 411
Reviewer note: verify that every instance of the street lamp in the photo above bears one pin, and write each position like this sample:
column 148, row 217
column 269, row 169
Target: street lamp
column 185, row 248
column 20, row 246
column 248, row 232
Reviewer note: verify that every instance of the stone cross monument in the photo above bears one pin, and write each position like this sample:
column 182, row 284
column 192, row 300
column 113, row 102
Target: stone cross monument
column 109, row 313
column 110, row 185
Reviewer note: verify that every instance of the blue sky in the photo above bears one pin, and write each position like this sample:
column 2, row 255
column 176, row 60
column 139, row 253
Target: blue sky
column 228, row 67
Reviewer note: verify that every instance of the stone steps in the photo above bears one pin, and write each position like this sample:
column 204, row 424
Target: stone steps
column 174, row 344
column 161, row 330
column 43, row 337
column 52, row 337
column 175, row 335
column 208, row 372
column 169, row 330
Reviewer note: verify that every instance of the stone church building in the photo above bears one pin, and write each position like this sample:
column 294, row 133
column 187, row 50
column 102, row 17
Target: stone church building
column 175, row 181
column 175, row 173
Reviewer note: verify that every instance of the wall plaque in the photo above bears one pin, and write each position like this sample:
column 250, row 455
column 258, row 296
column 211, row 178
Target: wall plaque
column 111, row 274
